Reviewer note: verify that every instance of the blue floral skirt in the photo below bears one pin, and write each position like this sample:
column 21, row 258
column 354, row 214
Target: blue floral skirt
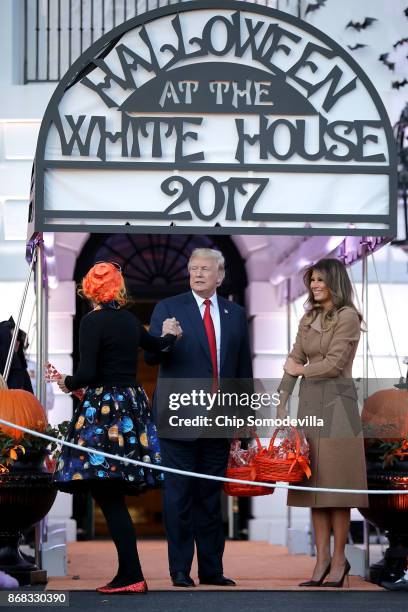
column 114, row 420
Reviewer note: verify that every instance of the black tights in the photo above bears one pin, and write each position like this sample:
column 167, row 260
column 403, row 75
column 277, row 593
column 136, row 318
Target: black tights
column 122, row 532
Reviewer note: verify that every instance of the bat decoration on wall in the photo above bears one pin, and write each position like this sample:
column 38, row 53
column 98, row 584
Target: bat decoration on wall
column 314, row 7
column 361, row 25
column 399, row 84
column 406, row 12
column 384, row 59
column 357, row 46
column 402, row 41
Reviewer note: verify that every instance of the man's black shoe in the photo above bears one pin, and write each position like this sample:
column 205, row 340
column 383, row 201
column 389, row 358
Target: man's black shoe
column 181, row 579
column 220, row 580
column 399, row 585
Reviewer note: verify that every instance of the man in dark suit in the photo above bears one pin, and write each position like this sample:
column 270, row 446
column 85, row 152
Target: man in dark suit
column 214, row 346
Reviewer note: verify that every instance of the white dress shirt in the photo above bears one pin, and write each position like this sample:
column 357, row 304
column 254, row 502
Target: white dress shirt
column 215, row 315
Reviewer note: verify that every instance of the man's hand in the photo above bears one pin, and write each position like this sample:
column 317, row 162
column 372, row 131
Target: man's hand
column 172, row 326
column 61, row 384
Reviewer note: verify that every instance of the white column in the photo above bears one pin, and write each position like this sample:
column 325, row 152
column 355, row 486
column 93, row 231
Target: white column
column 61, row 311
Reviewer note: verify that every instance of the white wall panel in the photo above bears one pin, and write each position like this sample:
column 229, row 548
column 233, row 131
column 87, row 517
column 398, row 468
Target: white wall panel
column 72, row 241
column 62, row 503
column 62, row 299
column 258, row 265
column 15, row 177
column 11, row 294
column 66, row 260
column 260, row 298
column 269, row 334
column 15, row 217
column 20, row 140
column 267, row 366
column 62, row 409
column 60, row 334
column 248, row 244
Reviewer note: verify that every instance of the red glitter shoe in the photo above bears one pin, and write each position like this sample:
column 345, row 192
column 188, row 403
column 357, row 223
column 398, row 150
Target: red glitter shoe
column 136, row 587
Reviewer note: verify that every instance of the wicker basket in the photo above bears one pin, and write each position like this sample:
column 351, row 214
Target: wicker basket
column 271, row 468
column 246, row 472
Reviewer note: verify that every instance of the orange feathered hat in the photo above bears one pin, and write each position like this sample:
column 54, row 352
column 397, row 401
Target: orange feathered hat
column 103, row 283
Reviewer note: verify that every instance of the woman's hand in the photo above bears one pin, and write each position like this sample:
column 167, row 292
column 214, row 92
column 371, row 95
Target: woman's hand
column 293, row 368
column 61, row 384
column 281, row 410
column 172, row 326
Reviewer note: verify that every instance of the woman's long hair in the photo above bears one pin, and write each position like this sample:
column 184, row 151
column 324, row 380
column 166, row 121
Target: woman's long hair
column 335, row 276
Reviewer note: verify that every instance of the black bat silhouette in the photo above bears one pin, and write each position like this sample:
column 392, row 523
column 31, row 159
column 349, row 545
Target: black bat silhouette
column 361, row 25
column 384, row 59
column 315, row 7
column 399, row 84
column 400, row 42
column 357, row 46
column 406, row 12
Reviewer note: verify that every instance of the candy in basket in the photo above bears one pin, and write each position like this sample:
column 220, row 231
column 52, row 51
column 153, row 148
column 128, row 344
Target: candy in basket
column 241, row 466
column 286, row 459
column 51, row 374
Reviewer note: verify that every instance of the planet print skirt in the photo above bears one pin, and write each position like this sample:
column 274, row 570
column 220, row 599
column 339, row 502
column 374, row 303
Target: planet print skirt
column 115, row 420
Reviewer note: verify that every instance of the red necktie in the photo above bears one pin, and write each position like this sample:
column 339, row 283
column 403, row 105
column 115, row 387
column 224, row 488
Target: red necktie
column 210, row 331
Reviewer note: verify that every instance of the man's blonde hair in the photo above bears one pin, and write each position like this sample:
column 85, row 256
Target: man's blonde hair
column 210, row 254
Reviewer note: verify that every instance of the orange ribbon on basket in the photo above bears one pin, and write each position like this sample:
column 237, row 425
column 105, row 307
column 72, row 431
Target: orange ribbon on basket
column 304, row 464
column 292, row 467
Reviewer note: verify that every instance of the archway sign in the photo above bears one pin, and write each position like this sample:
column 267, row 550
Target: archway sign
column 216, row 117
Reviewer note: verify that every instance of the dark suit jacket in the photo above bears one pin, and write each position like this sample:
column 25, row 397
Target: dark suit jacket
column 190, row 357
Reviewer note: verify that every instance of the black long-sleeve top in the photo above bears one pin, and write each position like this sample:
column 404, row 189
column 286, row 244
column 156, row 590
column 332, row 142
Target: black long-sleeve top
column 109, row 340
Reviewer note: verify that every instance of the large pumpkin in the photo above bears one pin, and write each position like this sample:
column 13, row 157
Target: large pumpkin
column 22, row 408
column 385, row 415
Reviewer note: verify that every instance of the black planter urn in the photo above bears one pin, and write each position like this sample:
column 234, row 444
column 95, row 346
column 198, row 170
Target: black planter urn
column 26, row 496
column 389, row 513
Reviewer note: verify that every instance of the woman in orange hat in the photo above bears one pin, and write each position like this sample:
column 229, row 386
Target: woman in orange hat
column 114, row 415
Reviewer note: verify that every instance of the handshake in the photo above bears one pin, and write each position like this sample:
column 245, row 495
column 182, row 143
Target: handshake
column 172, row 326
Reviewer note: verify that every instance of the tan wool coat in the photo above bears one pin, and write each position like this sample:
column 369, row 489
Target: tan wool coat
column 327, row 390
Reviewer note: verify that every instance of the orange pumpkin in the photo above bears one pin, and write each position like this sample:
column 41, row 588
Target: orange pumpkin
column 22, row 408
column 385, row 415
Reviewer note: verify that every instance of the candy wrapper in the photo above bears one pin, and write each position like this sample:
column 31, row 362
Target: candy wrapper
column 239, row 457
column 51, row 374
column 285, row 444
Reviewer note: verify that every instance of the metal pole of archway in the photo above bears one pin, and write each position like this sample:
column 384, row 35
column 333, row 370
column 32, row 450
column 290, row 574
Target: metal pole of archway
column 41, row 350
column 289, row 346
column 364, row 304
column 41, row 320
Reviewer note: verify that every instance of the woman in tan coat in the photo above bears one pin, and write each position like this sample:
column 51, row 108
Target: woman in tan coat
column 323, row 355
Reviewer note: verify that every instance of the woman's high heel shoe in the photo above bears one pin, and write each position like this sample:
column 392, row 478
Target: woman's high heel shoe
column 316, row 583
column 339, row 583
